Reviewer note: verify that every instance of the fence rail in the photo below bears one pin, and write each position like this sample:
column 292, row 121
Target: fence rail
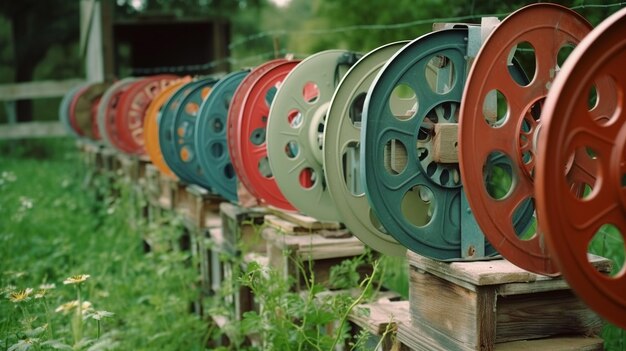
column 38, row 89
column 10, row 93
column 31, row 130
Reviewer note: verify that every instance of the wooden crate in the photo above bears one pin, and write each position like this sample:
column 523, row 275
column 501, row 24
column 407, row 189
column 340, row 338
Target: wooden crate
column 170, row 191
column 315, row 252
column 225, row 269
column 483, row 305
column 241, row 228
column 152, row 187
column 200, row 208
column 381, row 319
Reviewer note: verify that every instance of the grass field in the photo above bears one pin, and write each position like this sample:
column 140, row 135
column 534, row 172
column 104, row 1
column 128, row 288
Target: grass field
column 53, row 227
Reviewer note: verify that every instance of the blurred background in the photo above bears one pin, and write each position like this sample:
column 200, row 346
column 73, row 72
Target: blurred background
column 71, row 41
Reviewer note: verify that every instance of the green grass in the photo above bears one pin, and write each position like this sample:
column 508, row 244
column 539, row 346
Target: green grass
column 53, row 227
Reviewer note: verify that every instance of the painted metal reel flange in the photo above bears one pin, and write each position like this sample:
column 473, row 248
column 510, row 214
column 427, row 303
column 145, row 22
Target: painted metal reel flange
column 210, row 138
column 248, row 130
column 295, row 131
column 151, row 126
column 571, row 219
column 83, row 110
column 132, row 107
column 185, row 132
column 341, row 151
column 107, row 112
column 233, row 129
column 166, row 129
column 416, row 197
column 64, row 110
column 509, row 135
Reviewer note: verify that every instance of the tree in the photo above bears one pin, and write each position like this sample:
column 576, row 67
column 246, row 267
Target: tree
column 35, row 27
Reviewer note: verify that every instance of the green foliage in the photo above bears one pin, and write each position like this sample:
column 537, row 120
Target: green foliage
column 53, row 228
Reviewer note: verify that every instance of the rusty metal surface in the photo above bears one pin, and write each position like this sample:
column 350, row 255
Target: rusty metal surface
column 547, row 28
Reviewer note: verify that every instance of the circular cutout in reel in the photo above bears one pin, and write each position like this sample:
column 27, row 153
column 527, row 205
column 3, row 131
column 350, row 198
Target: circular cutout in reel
column 107, row 114
column 416, row 196
column 584, row 111
column 185, row 132
column 151, row 125
column 295, row 131
column 177, row 160
column 341, row 151
column 132, row 107
column 500, row 118
column 83, row 110
column 247, row 130
column 64, row 110
column 210, row 138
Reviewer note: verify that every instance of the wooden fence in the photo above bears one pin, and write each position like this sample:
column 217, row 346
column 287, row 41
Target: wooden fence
column 10, row 93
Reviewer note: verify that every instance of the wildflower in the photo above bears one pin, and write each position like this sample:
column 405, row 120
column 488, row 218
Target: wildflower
column 98, row 315
column 41, row 293
column 19, row 296
column 76, row 279
column 47, row 286
column 67, row 307
column 8, row 289
column 9, row 176
column 26, row 203
column 24, row 344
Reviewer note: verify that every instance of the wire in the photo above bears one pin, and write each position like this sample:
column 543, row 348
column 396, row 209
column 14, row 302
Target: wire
column 275, row 33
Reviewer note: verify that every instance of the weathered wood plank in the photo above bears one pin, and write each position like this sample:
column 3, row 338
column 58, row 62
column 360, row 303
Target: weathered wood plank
column 580, row 343
column 377, row 317
column 544, row 314
column 445, row 143
column 31, row 130
column 491, row 272
column 304, row 221
column 38, row 89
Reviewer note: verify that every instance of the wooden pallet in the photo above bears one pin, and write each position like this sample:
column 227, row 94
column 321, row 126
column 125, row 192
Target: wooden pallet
column 241, row 228
column 301, row 222
column 483, row 305
column 315, row 252
column 381, row 319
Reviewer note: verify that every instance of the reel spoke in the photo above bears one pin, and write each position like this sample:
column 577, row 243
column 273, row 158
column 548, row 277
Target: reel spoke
column 501, row 121
column 584, row 129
